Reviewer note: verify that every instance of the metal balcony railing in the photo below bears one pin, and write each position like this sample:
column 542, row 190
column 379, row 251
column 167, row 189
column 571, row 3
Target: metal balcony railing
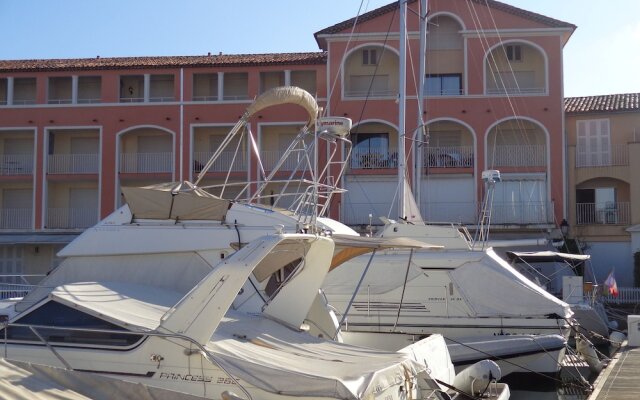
column 619, row 155
column 449, row 157
column 532, row 155
column 609, row 213
column 71, row 218
column 363, row 158
column 516, row 90
column 16, row 218
column 146, row 162
column 72, row 164
column 271, row 157
column 16, row 164
column 224, row 163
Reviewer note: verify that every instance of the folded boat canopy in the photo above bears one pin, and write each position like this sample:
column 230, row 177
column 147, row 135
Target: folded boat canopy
column 175, row 200
column 545, row 256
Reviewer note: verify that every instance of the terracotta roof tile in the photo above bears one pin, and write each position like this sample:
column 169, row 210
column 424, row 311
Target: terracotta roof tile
column 603, row 103
column 223, row 60
column 339, row 27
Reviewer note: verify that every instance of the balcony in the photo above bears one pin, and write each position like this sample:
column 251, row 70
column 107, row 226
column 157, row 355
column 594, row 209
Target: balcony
column 373, row 158
column 161, row 88
column 59, row 90
column 89, row 89
column 618, row 156
column 610, row 213
column 228, row 160
column 464, row 212
column 205, row 87
column 517, row 156
column 72, row 164
column 136, row 163
column 16, row 218
column 449, row 157
column 71, row 218
column 369, row 86
column 270, row 159
column 16, row 164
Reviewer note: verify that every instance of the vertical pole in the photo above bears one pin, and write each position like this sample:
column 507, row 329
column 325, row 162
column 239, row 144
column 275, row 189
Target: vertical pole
column 402, row 84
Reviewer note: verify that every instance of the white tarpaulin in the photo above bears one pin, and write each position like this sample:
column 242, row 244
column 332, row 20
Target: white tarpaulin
column 276, row 358
column 491, row 275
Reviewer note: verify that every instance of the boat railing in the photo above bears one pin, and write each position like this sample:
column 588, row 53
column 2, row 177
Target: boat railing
column 35, row 330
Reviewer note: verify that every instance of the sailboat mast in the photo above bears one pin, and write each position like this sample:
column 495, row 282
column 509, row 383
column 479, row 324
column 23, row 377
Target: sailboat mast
column 419, row 135
column 402, row 85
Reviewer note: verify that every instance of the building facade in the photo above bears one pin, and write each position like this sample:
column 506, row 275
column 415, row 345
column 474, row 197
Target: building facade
column 74, row 131
column 603, row 148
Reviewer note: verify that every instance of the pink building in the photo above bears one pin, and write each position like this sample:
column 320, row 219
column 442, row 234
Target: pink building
column 73, row 131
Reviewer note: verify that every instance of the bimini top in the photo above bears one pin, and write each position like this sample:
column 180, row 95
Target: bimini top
column 175, row 200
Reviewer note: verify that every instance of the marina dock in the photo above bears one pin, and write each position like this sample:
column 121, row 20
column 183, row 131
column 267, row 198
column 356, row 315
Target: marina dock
column 619, row 381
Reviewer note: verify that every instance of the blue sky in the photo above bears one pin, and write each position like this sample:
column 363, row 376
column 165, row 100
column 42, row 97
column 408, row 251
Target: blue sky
column 602, row 56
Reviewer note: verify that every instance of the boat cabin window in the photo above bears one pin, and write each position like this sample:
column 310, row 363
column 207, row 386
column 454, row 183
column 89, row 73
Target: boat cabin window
column 60, row 316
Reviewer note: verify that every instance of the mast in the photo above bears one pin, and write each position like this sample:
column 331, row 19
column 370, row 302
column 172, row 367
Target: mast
column 402, row 84
column 419, row 135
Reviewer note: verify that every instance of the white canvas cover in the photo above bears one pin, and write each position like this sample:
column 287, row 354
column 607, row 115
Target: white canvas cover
column 285, row 95
column 479, row 282
column 175, row 200
column 274, row 358
column 138, row 307
column 178, row 272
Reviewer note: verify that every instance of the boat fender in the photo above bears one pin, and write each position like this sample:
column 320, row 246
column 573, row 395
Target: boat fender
column 476, row 378
column 226, row 395
column 613, row 324
column 586, row 349
column 616, row 338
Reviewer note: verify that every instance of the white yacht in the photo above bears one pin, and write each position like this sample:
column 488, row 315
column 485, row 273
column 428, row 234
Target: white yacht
column 562, row 275
column 137, row 323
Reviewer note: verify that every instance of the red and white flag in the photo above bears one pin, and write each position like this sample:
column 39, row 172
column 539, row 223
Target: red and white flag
column 611, row 284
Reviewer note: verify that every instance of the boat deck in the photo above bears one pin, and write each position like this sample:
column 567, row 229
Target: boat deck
column 619, row 381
